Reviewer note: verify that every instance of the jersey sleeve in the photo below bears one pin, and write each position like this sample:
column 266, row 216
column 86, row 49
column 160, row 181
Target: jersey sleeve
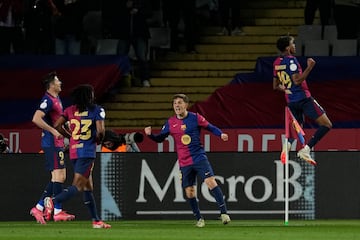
column 100, row 114
column 208, row 126
column 45, row 105
column 165, row 131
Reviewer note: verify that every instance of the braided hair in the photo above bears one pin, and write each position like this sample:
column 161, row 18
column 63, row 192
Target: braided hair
column 83, row 97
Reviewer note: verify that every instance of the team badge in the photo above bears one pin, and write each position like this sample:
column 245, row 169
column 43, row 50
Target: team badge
column 183, row 127
column 186, row 139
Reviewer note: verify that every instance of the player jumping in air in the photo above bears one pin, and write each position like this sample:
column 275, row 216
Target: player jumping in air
column 289, row 78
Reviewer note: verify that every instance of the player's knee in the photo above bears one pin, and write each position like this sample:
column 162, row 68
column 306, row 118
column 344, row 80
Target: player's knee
column 190, row 192
column 58, row 175
column 210, row 182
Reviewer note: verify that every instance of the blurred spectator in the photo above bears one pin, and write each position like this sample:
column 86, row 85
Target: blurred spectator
column 346, row 15
column 230, row 18
column 126, row 20
column 39, row 38
column 173, row 11
column 68, row 25
column 325, row 9
column 11, row 20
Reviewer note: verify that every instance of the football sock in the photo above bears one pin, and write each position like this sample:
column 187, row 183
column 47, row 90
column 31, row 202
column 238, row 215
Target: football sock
column 47, row 193
column 89, row 201
column 219, row 197
column 57, row 189
column 195, row 207
column 66, row 194
column 320, row 133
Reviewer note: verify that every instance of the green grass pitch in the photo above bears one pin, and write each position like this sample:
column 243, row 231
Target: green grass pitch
column 185, row 229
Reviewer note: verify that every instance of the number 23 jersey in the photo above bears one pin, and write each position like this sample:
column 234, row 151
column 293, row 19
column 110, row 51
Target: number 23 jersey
column 83, row 130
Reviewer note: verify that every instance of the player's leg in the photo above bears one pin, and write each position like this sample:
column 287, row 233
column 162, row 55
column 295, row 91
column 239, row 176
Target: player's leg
column 57, row 200
column 89, row 201
column 38, row 211
column 82, row 172
column 315, row 112
column 188, row 181
column 82, row 169
column 190, row 192
column 51, row 162
column 58, row 176
column 324, row 127
column 206, row 172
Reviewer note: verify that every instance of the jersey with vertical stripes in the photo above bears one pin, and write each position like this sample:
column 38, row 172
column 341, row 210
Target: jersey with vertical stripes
column 186, row 134
column 83, row 130
column 284, row 67
column 53, row 109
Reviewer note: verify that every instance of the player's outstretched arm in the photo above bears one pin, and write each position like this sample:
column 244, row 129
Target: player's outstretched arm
column 157, row 137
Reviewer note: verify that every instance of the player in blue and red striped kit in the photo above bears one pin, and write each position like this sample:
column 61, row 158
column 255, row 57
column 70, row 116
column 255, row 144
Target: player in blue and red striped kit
column 52, row 143
column 86, row 128
column 289, row 78
column 185, row 128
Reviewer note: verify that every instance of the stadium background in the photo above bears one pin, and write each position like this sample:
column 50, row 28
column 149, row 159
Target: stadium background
column 259, row 128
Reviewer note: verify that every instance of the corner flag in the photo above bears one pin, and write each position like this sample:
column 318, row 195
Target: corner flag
column 293, row 128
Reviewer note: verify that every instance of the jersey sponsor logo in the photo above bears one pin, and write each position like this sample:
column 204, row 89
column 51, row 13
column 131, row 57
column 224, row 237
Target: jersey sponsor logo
column 186, row 139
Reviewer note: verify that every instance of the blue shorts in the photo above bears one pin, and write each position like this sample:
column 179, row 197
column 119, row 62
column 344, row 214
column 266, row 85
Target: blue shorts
column 55, row 158
column 308, row 107
column 202, row 169
column 83, row 166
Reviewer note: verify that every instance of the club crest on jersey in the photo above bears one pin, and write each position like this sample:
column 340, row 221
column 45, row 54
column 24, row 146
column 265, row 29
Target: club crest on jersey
column 186, row 139
column 183, row 127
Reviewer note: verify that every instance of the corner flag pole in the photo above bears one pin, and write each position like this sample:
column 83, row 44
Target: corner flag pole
column 287, row 134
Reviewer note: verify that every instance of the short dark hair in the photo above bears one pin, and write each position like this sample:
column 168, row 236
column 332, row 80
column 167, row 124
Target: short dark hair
column 182, row 96
column 49, row 78
column 283, row 42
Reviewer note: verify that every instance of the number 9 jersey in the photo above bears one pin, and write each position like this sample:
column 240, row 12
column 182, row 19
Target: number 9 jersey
column 83, row 130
